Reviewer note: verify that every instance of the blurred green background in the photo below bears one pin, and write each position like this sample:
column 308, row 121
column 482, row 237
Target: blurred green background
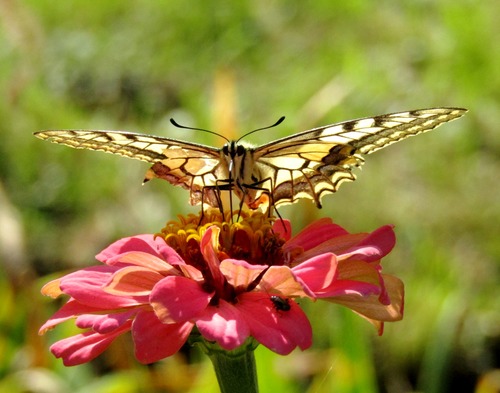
column 233, row 67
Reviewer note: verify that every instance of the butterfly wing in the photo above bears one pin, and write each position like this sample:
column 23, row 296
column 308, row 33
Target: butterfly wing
column 315, row 162
column 192, row 166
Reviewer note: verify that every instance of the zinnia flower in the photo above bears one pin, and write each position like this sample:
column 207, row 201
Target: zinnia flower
column 232, row 284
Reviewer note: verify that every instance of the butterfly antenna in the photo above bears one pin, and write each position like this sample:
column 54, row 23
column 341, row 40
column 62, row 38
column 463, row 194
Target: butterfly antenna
column 198, row 129
column 280, row 120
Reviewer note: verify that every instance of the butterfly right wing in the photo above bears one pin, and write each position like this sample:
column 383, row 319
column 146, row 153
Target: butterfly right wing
column 316, row 162
column 192, row 166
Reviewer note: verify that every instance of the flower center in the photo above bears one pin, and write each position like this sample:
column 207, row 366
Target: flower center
column 251, row 239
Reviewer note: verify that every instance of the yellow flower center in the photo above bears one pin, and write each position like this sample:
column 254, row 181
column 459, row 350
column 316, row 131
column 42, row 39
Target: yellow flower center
column 251, row 238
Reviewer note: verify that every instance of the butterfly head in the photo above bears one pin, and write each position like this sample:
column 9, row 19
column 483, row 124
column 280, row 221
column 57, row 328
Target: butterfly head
column 234, row 153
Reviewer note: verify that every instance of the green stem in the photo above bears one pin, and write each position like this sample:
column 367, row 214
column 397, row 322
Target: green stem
column 235, row 370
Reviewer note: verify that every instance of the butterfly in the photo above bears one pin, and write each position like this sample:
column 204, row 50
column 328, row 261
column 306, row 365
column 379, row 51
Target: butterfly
column 305, row 165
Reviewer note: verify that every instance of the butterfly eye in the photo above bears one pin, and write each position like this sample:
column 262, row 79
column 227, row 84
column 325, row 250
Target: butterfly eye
column 240, row 150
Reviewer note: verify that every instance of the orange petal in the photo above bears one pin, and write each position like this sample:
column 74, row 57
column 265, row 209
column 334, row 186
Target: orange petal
column 240, row 274
column 370, row 306
column 52, row 288
column 358, row 271
column 144, row 259
column 133, row 281
column 280, row 280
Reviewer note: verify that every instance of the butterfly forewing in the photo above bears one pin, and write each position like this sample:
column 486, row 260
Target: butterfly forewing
column 189, row 165
column 322, row 158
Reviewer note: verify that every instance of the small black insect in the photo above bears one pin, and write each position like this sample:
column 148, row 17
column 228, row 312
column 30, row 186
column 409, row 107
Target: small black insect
column 281, row 304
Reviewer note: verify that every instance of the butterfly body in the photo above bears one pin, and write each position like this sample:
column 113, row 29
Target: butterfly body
column 228, row 172
column 249, row 180
column 306, row 165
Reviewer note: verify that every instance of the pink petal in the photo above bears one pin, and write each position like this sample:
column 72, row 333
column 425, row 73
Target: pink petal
column 86, row 285
column 335, row 245
column 154, row 340
column 366, row 272
column 208, row 245
column 349, row 287
column 142, row 259
column 373, row 247
column 224, row 324
column 317, row 272
column 68, row 311
column 133, row 281
column 85, row 347
column 191, row 272
column 316, row 233
column 295, row 325
column 371, row 308
column 355, row 277
column 146, row 243
column 280, row 331
column 283, row 228
column 105, row 323
column 178, row 299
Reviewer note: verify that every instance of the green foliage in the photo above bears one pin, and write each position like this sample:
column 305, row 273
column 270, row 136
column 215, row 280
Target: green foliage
column 133, row 65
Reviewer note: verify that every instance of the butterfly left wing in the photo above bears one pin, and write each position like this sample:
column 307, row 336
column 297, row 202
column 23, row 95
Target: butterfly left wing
column 192, row 166
column 314, row 162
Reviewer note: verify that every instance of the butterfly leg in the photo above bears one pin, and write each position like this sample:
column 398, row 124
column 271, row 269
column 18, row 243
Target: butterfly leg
column 257, row 186
column 264, row 191
column 212, row 196
column 225, row 185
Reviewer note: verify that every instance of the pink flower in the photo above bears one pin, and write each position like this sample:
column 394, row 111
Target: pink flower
column 230, row 283
column 356, row 278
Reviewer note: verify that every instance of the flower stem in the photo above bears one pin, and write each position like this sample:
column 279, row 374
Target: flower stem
column 235, row 370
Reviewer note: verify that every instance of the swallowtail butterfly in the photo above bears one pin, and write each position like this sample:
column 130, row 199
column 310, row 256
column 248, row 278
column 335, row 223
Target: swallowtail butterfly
column 306, row 165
